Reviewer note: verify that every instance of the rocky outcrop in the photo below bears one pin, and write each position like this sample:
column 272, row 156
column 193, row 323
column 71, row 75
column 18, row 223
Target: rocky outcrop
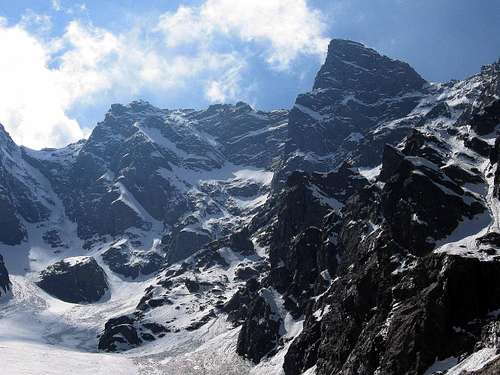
column 21, row 197
column 5, row 283
column 131, row 263
column 74, row 280
column 185, row 242
column 426, row 315
column 191, row 294
column 119, row 333
column 123, row 333
column 259, row 335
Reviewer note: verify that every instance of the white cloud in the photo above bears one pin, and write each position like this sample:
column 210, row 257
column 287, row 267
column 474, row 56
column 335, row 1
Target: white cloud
column 289, row 27
column 32, row 102
column 72, row 8
column 56, row 5
column 227, row 87
column 41, row 23
column 45, row 77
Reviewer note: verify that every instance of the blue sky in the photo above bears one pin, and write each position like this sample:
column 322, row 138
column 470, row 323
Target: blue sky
column 65, row 62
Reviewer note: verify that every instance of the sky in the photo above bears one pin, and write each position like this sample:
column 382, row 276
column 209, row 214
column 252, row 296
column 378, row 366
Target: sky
column 63, row 63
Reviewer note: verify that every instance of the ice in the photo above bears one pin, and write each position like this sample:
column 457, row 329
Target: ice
column 73, row 261
column 476, row 361
column 308, row 111
column 258, row 175
column 311, row 371
column 325, row 200
column 441, row 365
column 370, row 173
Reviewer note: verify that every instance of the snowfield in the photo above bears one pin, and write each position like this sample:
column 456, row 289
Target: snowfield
column 42, row 335
column 28, row 358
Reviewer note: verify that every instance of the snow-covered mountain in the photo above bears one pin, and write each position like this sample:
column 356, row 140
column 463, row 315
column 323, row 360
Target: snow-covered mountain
column 356, row 233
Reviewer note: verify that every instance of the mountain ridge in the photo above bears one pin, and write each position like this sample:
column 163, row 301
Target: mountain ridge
column 356, row 233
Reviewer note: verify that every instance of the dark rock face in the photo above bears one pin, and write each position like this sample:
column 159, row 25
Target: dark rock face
column 248, row 136
column 186, row 242
column 19, row 196
column 12, row 231
column 237, row 307
column 240, row 242
column 259, row 335
column 303, row 260
column 123, row 333
column 403, row 331
column 478, row 145
column 118, row 332
column 301, row 255
column 246, row 273
column 132, row 263
column 351, row 64
column 306, row 202
column 414, row 196
column 74, row 280
column 5, row 283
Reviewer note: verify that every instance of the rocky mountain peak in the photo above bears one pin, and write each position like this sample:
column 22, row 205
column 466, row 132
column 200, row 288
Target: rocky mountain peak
column 5, row 139
column 126, row 115
column 351, row 65
column 134, row 106
column 356, row 90
column 240, row 107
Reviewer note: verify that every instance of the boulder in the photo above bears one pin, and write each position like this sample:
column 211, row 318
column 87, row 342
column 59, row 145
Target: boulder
column 240, row 242
column 74, row 280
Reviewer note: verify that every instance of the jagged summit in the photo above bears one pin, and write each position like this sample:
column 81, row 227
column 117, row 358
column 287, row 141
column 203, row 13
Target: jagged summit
column 5, row 137
column 353, row 66
column 133, row 106
column 355, row 91
column 239, row 106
